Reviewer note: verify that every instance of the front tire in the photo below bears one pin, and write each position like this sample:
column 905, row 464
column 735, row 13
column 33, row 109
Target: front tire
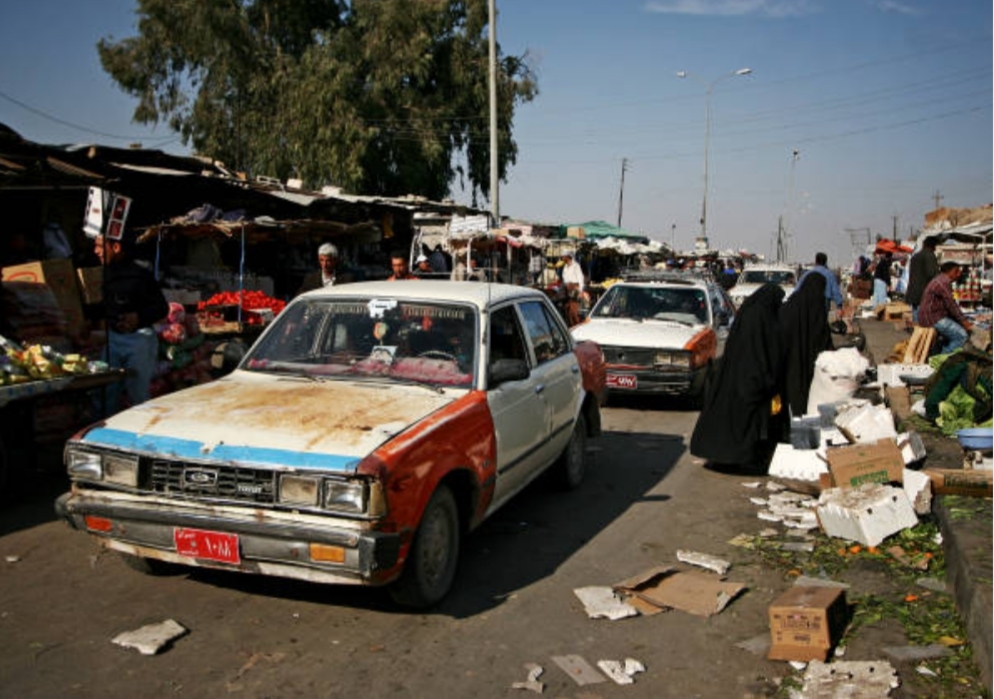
column 572, row 463
column 431, row 564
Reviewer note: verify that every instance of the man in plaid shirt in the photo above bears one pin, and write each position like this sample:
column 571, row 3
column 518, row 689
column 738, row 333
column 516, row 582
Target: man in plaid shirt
column 939, row 309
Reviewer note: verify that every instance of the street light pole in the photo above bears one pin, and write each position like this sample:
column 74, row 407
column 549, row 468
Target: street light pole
column 707, row 133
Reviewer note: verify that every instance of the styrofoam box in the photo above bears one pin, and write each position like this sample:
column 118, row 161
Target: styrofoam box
column 868, row 423
column 890, row 374
column 797, row 464
column 867, row 514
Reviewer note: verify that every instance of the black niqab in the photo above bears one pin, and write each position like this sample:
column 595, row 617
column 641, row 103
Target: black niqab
column 805, row 334
column 736, row 425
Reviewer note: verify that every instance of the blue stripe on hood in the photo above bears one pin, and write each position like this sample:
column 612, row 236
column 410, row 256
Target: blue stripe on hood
column 192, row 449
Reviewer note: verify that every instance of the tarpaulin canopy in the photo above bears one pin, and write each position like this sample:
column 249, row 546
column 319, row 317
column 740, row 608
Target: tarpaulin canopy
column 593, row 230
column 891, row 246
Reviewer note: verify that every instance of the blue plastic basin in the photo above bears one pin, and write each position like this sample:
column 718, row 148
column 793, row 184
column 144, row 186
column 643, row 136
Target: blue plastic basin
column 977, row 438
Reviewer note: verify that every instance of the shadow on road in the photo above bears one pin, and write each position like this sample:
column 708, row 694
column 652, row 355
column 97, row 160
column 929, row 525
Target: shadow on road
column 524, row 542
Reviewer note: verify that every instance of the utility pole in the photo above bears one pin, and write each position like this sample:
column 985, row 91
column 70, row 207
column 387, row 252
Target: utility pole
column 937, row 197
column 894, row 237
column 621, row 195
column 494, row 183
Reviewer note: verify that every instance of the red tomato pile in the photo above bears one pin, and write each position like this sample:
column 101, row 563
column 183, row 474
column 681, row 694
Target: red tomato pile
column 250, row 301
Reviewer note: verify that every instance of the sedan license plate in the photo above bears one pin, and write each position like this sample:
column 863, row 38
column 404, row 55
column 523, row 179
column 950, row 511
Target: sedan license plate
column 622, row 381
column 207, row 545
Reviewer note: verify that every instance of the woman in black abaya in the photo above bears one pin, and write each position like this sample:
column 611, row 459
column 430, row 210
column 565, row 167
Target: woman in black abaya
column 741, row 424
column 805, row 334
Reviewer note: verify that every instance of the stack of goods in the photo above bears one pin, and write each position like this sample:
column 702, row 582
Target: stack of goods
column 220, row 311
column 40, row 363
column 184, row 353
column 34, row 314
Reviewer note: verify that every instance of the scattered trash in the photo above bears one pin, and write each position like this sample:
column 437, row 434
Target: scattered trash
column 604, row 603
column 578, row 669
column 901, row 556
column 694, row 592
column 12, row 559
column 768, row 516
column 704, row 560
column 775, row 487
column 531, row 684
column 798, row 546
column 757, row 645
column 798, row 664
column 150, row 639
column 751, row 484
column 743, row 541
column 759, row 501
column 807, row 622
column 849, row 678
column 915, row 653
column 621, row 672
column 933, row 584
column 868, row 513
column 922, row 670
column 809, row 581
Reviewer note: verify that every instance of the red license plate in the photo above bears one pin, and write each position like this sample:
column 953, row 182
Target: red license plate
column 206, row 545
column 622, row 381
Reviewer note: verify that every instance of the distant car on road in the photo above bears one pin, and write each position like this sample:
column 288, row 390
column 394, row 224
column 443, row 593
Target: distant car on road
column 660, row 336
column 367, row 429
column 755, row 275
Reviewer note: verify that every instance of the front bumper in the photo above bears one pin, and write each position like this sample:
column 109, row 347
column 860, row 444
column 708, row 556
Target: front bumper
column 662, row 381
column 269, row 542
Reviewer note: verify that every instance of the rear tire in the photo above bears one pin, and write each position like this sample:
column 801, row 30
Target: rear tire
column 572, row 462
column 431, row 565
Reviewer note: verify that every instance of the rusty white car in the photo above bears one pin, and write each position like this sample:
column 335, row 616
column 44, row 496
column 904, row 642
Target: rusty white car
column 660, row 334
column 365, row 432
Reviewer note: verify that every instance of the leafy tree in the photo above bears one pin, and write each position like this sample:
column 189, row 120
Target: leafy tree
column 376, row 96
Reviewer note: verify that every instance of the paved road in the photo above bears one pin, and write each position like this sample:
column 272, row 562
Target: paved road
column 61, row 602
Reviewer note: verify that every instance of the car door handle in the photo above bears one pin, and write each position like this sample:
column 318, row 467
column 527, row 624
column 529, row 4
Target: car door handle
column 540, row 388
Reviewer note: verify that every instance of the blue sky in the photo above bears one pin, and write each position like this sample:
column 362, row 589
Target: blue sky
column 887, row 102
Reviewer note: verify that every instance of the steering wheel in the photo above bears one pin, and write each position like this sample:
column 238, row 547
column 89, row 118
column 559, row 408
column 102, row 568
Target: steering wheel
column 439, row 354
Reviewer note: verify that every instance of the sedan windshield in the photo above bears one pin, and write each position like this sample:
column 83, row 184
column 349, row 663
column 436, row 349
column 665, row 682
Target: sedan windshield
column 382, row 338
column 683, row 305
column 761, row 276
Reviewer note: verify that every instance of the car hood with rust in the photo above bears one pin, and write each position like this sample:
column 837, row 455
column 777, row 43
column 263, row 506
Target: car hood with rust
column 627, row 332
column 263, row 420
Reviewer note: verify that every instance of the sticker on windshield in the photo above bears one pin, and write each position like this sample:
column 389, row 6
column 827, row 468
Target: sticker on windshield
column 377, row 307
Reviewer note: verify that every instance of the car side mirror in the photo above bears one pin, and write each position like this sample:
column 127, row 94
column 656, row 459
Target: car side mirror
column 724, row 319
column 504, row 370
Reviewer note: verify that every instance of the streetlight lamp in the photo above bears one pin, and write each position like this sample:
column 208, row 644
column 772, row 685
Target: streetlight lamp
column 707, row 132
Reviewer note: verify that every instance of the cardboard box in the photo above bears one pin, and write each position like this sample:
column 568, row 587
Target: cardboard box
column 91, row 285
column 60, row 277
column 852, row 465
column 807, row 622
column 954, row 481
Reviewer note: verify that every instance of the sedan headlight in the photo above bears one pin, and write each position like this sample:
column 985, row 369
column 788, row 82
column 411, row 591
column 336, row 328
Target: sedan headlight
column 120, row 469
column 84, row 464
column 672, row 359
column 345, row 496
column 299, row 490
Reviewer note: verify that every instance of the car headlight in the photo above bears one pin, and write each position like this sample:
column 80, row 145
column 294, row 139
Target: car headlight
column 681, row 359
column 121, row 469
column 299, row 490
column 84, row 464
column 662, row 359
column 345, row 496
column 94, row 466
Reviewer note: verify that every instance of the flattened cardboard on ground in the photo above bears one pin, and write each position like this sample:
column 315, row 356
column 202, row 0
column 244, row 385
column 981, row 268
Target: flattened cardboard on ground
column 855, row 464
column 955, row 481
column 694, row 592
column 807, row 622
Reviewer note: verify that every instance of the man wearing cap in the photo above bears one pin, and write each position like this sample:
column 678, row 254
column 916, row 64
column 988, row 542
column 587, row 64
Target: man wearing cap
column 423, row 268
column 327, row 274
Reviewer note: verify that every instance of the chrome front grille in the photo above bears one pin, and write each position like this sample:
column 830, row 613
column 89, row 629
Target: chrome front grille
column 197, row 481
column 632, row 356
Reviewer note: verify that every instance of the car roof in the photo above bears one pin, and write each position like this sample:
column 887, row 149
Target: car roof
column 671, row 282
column 479, row 294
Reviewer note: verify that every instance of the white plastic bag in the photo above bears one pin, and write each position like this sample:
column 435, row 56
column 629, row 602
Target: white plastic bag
column 836, row 378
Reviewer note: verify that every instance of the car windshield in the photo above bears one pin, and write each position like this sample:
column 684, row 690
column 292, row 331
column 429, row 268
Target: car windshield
column 761, row 276
column 378, row 338
column 683, row 305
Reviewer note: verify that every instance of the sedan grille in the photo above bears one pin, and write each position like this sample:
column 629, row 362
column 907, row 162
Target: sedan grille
column 632, row 356
column 199, row 482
